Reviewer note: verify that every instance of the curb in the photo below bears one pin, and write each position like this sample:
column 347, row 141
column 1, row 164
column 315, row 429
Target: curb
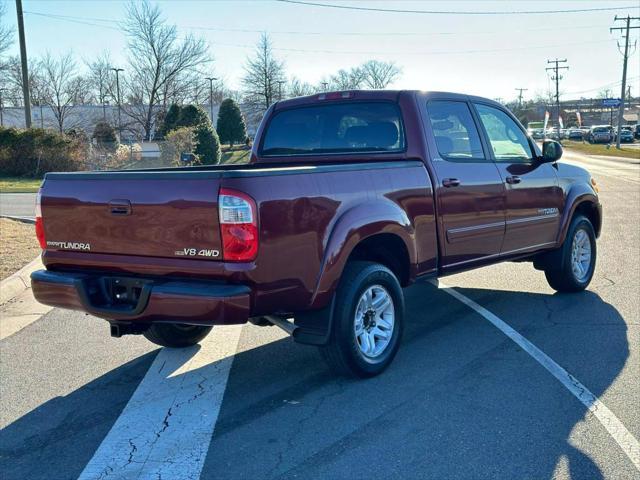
column 19, row 219
column 18, row 282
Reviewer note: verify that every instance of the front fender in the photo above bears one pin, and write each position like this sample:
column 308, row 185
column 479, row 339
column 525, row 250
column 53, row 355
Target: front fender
column 353, row 226
column 579, row 194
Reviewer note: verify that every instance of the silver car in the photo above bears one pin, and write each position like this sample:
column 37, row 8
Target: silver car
column 600, row 134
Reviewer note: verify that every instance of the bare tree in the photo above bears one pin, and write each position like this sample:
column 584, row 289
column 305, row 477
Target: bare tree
column 378, row 75
column 263, row 79
column 351, row 79
column 298, row 88
column 6, row 33
column 605, row 93
column 101, row 80
column 61, row 88
column 11, row 81
column 158, row 62
column 372, row 74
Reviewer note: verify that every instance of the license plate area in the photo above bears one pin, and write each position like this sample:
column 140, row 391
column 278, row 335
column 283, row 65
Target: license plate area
column 117, row 294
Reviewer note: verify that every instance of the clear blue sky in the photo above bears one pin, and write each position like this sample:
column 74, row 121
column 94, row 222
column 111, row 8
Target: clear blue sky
column 485, row 55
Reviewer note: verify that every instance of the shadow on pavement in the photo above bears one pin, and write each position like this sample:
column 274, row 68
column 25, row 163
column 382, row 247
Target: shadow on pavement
column 56, row 440
column 460, row 401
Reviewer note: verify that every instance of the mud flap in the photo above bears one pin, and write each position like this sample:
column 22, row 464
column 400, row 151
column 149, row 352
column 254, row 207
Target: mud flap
column 314, row 327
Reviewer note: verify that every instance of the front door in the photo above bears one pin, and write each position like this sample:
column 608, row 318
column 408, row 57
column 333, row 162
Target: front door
column 469, row 189
column 534, row 198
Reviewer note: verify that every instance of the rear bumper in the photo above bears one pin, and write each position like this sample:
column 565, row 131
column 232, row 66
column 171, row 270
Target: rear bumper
column 185, row 301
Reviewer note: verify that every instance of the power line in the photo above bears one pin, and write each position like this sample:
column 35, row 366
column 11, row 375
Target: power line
column 85, row 20
column 432, row 52
column 455, row 12
column 369, row 52
column 612, row 84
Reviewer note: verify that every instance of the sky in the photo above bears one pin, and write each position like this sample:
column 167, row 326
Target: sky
column 486, row 55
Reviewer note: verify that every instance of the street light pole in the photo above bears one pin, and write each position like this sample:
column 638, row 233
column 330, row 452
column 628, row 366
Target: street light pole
column 211, row 79
column 118, row 70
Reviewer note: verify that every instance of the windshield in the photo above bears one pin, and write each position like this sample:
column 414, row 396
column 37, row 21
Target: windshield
column 335, row 128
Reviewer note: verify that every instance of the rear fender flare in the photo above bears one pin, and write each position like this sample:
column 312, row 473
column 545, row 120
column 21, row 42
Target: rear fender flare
column 357, row 224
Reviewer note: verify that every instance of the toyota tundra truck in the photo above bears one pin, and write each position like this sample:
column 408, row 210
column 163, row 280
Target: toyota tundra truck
column 348, row 197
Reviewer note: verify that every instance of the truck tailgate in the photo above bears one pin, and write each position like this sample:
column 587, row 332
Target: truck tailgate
column 156, row 214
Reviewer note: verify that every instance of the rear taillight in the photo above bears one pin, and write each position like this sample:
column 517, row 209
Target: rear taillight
column 39, row 224
column 238, row 226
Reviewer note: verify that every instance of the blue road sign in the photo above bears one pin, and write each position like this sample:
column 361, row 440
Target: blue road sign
column 611, row 102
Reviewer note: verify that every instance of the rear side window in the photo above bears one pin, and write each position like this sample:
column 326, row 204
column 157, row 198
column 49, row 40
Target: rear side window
column 335, row 128
column 455, row 132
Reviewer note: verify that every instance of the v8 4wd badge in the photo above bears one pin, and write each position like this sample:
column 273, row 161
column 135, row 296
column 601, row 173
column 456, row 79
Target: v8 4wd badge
column 194, row 252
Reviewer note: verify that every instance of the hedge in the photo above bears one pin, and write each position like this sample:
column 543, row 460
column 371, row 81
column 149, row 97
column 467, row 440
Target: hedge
column 34, row 152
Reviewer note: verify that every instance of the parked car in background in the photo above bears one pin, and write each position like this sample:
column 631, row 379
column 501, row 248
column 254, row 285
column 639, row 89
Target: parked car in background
column 552, row 133
column 536, row 133
column 574, row 134
column 636, row 130
column 626, row 135
column 600, row 134
column 536, row 130
column 349, row 196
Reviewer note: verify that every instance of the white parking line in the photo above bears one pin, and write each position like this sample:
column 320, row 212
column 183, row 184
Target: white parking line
column 166, row 428
column 609, row 421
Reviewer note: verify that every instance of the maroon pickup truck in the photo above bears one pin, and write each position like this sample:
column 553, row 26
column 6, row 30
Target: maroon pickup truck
column 348, row 197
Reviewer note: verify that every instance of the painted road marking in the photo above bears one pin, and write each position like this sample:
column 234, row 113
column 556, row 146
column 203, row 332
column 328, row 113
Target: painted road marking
column 166, row 428
column 609, row 421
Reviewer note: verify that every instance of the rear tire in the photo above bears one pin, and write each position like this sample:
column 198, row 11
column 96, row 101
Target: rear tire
column 176, row 335
column 367, row 321
column 571, row 267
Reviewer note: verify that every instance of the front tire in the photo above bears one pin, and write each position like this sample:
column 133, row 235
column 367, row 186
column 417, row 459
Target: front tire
column 571, row 267
column 176, row 335
column 367, row 321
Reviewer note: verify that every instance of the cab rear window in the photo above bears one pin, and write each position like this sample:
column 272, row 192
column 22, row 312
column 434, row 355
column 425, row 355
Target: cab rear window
column 347, row 127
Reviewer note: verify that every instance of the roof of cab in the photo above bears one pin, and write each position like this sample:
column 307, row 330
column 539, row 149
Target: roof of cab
column 389, row 95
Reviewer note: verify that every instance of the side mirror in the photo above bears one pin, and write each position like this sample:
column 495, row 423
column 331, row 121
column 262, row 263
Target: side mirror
column 551, row 151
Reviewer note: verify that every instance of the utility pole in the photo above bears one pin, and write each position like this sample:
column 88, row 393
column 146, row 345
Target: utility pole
column 626, row 29
column 118, row 70
column 104, row 104
column 211, row 79
column 25, row 69
column 280, row 82
column 1, row 108
column 520, row 90
column 557, row 77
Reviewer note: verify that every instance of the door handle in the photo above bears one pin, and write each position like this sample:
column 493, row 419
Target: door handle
column 450, row 182
column 513, row 179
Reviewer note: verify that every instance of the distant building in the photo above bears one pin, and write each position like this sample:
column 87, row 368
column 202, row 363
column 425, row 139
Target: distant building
column 85, row 117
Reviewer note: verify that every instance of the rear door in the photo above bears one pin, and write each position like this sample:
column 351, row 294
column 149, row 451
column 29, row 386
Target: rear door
column 469, row 189
column 534, row 199
column 149, row 214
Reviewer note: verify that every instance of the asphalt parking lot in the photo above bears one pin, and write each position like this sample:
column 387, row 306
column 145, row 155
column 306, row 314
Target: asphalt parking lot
column 461, row 400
